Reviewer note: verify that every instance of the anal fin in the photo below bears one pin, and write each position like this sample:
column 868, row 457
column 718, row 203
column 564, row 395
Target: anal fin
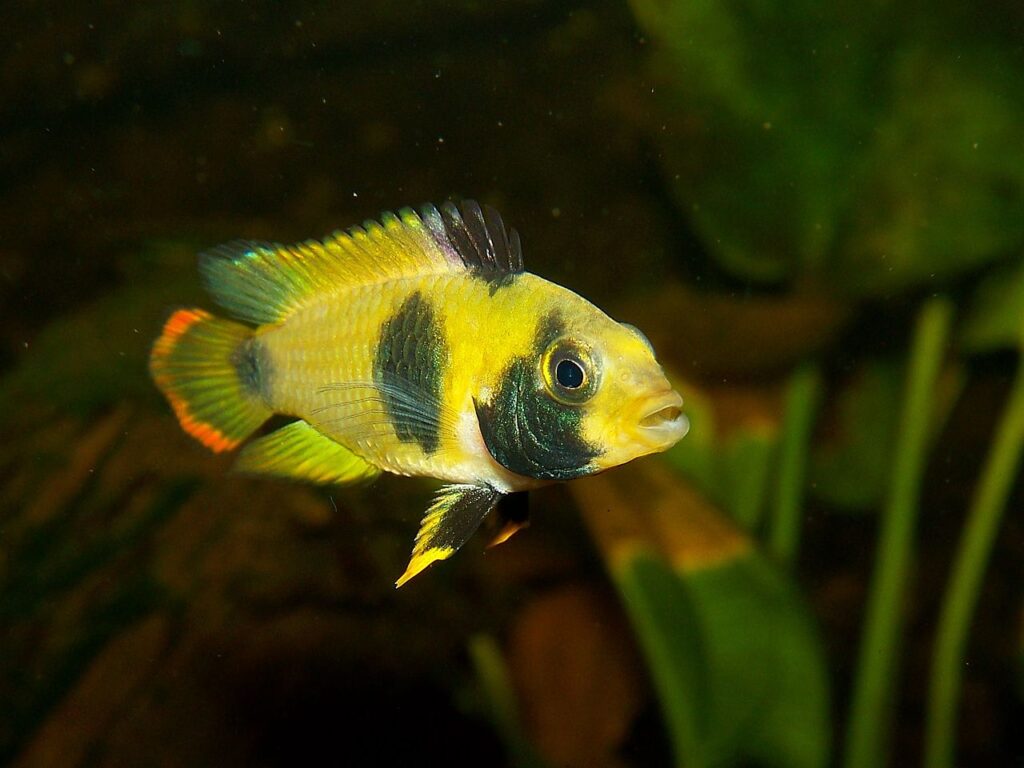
column 300, row 452
column 451, row 519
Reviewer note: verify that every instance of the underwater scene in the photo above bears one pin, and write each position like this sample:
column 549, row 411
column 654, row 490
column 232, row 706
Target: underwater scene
column 527, row 384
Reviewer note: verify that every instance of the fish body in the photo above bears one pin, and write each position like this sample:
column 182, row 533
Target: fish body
column 418, row 346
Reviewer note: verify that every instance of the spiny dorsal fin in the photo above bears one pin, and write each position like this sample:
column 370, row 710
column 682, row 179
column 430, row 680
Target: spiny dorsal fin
column 479, row 237
column 266, row 282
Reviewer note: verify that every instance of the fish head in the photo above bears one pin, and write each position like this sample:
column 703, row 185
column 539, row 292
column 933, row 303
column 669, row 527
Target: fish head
column 633, row 409
column 586, row 395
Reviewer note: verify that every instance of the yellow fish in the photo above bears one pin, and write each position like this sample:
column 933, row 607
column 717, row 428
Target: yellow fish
column 419, row 346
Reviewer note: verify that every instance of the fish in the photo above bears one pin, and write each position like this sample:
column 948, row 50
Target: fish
column 418, row 345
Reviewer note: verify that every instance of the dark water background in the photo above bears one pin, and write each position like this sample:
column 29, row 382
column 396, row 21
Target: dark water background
column 155, row 609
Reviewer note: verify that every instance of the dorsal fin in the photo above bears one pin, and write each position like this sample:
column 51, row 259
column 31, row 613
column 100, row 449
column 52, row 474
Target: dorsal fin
column 266, row 282
column 479, row 237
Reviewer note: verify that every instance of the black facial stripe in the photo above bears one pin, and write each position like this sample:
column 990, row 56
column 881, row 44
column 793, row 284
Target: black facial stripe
column 412, row 357
column 525, row 429
column 550, row 328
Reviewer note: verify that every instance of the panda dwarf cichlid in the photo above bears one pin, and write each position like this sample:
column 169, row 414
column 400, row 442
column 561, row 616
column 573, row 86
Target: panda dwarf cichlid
column 415, row 345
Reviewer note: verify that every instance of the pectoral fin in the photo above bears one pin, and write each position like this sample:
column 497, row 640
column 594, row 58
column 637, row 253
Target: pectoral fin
column 455, row 513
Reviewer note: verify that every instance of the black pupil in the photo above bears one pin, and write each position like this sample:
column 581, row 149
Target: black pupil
column 569, row 374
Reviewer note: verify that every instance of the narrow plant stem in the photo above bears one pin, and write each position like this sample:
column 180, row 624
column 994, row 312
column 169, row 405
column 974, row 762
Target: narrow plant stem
column 750, row 464
column 497, row 688
column 802, row 395
column 983, row 519
column 870, row 710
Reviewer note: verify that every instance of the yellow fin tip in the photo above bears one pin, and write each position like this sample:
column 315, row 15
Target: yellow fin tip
column 421, row 560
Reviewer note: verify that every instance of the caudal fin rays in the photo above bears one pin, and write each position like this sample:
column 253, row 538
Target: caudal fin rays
column 193, row 362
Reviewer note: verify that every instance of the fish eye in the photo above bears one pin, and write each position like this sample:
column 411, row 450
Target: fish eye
column 569, row 372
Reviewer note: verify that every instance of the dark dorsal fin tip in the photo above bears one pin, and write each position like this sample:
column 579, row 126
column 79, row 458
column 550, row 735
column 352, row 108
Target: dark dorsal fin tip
column 499, row 240
column 456, row 230
column 480, row 238
column 477, row 228
column 515, row 252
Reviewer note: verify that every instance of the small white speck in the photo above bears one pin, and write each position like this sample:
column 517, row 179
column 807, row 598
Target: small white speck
column 355, row 194
column 440, row 139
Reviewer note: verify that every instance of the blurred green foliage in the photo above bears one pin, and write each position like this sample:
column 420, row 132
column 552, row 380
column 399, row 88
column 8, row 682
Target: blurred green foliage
column 770, row 699
column 110, row 337
column 732, row 651
column 851, row 468
column 732, row 470
column 866, row 147
column 995, row 312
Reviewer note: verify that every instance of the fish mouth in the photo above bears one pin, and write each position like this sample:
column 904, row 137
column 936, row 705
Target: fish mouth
column 664, row 417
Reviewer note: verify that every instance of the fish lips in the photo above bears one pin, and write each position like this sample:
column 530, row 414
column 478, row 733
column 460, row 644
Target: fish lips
column 662, row 421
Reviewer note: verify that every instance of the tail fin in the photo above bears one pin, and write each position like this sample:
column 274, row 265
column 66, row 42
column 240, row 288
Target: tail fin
column 195, row 364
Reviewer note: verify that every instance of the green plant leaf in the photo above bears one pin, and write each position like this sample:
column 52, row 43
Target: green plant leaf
column 766, row 666
column 846, row 144
column 732, row 652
